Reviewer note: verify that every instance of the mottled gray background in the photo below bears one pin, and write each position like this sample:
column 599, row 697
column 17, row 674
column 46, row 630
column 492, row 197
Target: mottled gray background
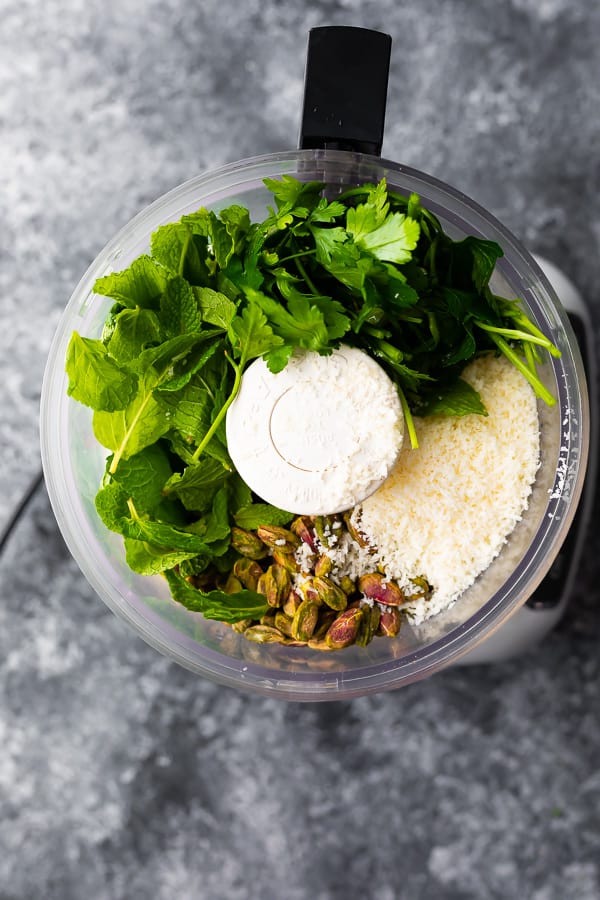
column 123, row 777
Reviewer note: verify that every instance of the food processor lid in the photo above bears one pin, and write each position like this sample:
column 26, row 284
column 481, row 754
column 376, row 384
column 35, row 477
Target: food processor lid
column 345, row 89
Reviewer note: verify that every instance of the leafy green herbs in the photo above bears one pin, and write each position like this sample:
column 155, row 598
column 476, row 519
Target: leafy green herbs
column 369, row 267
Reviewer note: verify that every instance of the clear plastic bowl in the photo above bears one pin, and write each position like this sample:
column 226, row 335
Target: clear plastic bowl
column 74, row 462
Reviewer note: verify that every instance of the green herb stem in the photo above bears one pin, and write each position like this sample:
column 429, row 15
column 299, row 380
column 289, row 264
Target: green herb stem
column 521, row 319
column 304, row 274
column 120, row 451
column 408, row 418
column 520, row 364
column 223, row 411
column 184, row 250
column 297, row 256
column 515, row 334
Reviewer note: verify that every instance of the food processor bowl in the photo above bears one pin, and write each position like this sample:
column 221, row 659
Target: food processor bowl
column 74, row 462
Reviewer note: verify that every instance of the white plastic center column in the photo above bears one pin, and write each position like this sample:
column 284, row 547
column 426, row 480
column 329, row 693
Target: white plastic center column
column 318, row 437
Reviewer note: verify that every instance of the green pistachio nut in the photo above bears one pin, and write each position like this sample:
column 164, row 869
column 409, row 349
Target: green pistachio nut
column 308, row 590
column 303, row 527
column 247, row 543
column 375, row 586
column 279, row 538
column 357, row 536
column 291, row 603
column 344, row 629
column 323, row 565
column 348, row 585
column 248, row 572
column 389, row 622
column 326, row 618
column 368, row 625
column 283, row 623
column 330, row 593
column 305, row 620
column 318, row 644
column 232, row 585
column 326, row 533
column 242, row 625
column 275, row 584
column 423, row 588
column 264, row 634
column 287, row 560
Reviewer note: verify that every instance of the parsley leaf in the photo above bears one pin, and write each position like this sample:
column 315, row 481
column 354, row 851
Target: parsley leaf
column 250, row 334
column 394, row 240
column 328, row 242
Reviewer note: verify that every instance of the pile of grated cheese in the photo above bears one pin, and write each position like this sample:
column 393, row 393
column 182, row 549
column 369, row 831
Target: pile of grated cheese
column 447, row 508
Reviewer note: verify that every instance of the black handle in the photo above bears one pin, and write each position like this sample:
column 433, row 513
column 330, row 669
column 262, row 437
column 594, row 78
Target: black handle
column 345, row 89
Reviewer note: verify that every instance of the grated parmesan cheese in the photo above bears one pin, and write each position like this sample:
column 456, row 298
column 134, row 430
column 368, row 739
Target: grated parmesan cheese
column 447, row 508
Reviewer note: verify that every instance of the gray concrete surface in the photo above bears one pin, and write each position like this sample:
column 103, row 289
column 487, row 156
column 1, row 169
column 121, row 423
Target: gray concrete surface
column 124, row 777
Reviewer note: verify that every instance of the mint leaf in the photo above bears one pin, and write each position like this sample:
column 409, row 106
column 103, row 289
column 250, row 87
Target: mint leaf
column 140, row 285
column 169, row 244
column 459, row 399
column 133, row 330
column 119, row 513
column 187, row 410
column 216, row 528
column 221, row 241
column 174, row 356
column 237, row 222
column 215, row 308
column 146, row 559
column 95, row 379
column 164, row 535
column 144, row 475
column 256, row 514
column 111, row 506
column 197, row 485
column 179, row 308
column 127, row 431
column 216, row 604
column 239, row 493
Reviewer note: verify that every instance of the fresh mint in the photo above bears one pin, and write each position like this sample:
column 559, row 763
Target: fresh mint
column 95, row 378
column 370, row 268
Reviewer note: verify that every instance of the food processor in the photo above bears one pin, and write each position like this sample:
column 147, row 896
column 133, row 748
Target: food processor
column 524, row 591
